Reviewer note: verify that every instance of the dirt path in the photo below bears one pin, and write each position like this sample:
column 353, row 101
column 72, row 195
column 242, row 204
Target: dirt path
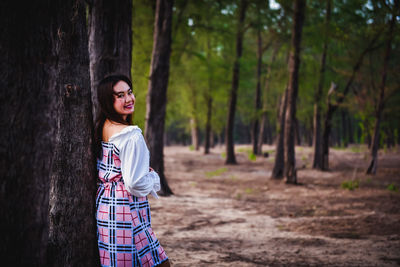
column 237, row 216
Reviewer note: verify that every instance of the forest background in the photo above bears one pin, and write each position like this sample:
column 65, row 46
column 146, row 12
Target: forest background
column 321, row 74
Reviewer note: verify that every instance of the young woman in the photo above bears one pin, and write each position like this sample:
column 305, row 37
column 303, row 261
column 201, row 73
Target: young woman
column 125, row 236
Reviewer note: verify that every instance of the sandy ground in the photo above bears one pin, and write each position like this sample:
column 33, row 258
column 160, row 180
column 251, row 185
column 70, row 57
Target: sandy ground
column 236, row 215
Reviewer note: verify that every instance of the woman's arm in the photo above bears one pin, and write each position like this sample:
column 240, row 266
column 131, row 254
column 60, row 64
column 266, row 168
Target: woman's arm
column 140, row 179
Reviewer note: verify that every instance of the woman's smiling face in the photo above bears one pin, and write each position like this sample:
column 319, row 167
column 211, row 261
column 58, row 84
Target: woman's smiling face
column 124, row 100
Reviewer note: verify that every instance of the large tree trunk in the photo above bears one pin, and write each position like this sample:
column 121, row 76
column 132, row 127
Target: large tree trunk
column 157, row 91
column 230, row 150
column 294, row 65
column 257, row 100
column 26, row 150
column 110, row 41
column 264, row 118
column 73, row 178
column 46, row 141
column 378, row 114
column 279, row 164
column 317, row 161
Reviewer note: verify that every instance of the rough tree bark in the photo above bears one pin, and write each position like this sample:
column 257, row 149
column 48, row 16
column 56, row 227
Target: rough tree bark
column 378, row 111
column 46, row 137
column 317, row 161
column 294, row 65
column 73, row 178
column 279, row 164
column 264, row 118
column 230, row 150
column 332, row 107
column 110, row 41
column 157, row 90
column 26, row 158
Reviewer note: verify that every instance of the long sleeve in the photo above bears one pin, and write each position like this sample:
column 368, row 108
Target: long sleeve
column 135, row 158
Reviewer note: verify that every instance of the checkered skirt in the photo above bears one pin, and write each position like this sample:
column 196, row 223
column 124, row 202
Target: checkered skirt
column 125, row 237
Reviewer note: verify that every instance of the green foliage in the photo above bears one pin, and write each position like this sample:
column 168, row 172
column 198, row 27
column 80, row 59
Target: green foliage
column 217, row 172
column 142, row 36
column 249, row 190
column 203, row 50
column 350, row 185
column 252, row 156
column 393, row 187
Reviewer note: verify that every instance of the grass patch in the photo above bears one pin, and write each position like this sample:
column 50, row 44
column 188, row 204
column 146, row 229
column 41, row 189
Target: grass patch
column 350, row 185
column 191, row 147
column 392, row 187
column 339, row 147
column 217, row 172
column 252, row 156
column 249, row 190
column 223, row 155
column 357, row 149
column 242, row 149
column 233, row 178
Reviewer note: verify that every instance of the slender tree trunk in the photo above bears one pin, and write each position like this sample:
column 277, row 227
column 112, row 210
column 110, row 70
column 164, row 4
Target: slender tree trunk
column 110, row 41
column 261, row 134
column 327, row 129
column 294, row 65
column 208, row 136
column 269, row 135
column 257, row 100
column 230, row 150
column 48, row 171
column 339, row 99
column 195, row 133
column 350, row 129
column 378, row 114
column 279, row 165
column 317, row 142
column 297, row 132
column 345, row 138
column 264, row 119
column 157, row 91
column 208, row 97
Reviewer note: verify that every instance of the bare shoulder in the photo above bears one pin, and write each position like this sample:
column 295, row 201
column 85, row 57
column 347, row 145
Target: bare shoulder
column 111, row 129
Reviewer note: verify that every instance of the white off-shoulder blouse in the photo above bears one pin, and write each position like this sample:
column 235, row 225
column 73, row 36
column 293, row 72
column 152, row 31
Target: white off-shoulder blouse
column 135, row 159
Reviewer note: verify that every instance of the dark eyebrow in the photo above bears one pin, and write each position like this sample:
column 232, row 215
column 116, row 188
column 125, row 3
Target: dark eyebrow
column 123, row 91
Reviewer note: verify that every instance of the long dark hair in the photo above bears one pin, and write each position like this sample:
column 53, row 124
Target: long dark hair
column 105, row 97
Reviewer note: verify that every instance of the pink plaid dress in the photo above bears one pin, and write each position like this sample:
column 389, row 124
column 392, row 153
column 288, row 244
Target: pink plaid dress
column 125, row 236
